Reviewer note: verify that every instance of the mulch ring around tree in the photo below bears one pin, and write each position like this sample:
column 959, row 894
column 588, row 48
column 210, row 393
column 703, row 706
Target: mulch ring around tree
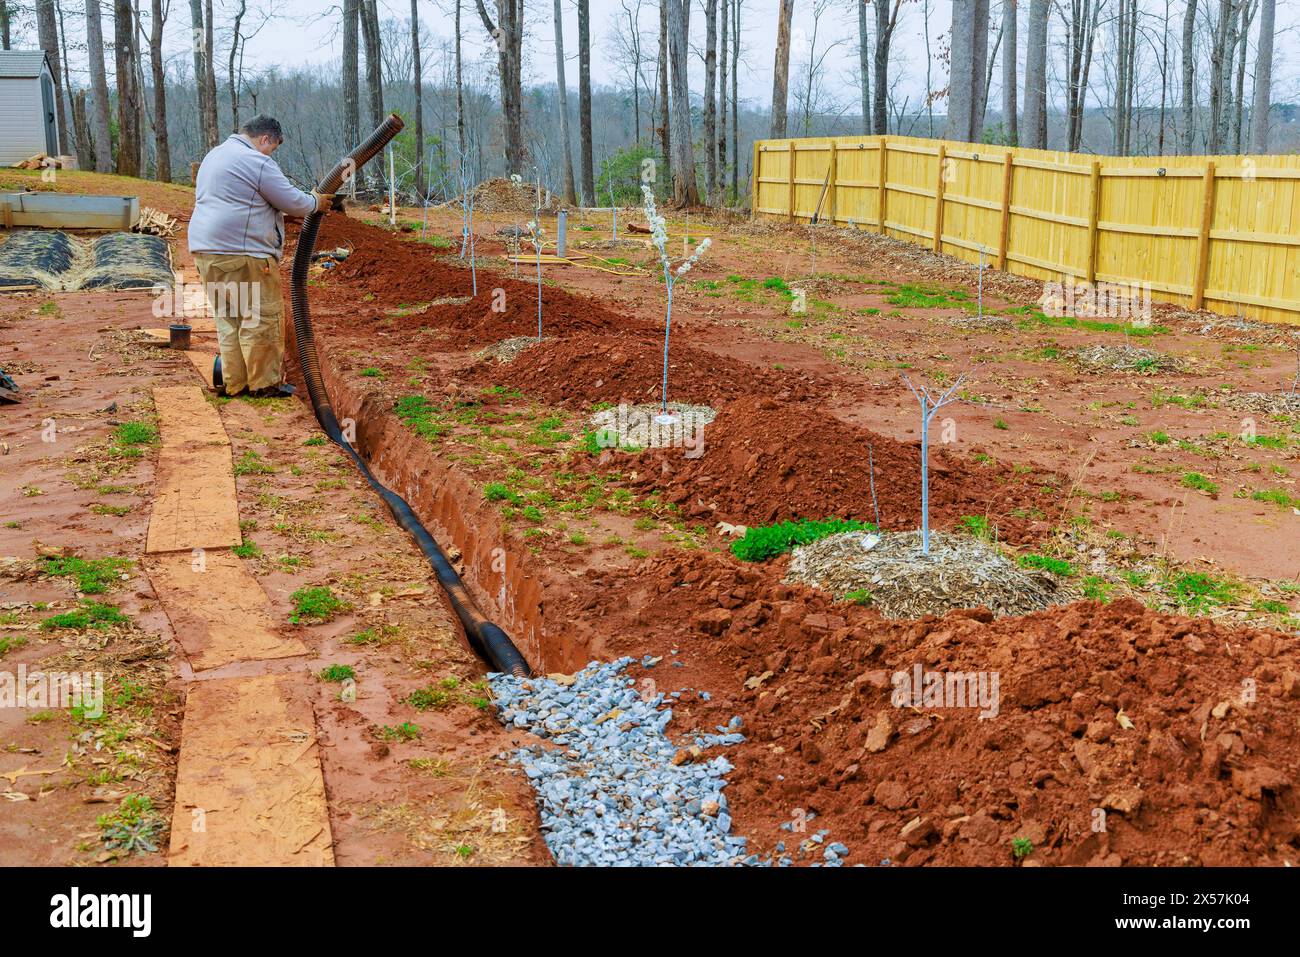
column 890, row 573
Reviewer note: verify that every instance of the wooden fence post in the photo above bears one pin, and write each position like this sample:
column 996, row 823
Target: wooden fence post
column 755, row 186
column 792, row 184
column 1004, row 234
column 938, row 199
column 832, row 174
column 1203, row 240
column 1094, row 212
column 881, row 203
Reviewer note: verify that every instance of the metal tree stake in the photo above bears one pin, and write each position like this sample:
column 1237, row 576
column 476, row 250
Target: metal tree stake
column 929, row 406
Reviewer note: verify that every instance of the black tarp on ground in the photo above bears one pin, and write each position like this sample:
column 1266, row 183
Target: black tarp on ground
column 27, row 253
column 129, row 261
column 54, row 260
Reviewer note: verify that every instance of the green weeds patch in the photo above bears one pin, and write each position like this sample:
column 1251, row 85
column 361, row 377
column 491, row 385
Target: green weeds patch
column 768, row 541
column 1056, row 566
column 316, row 604
column 91, row 614
column 92, row 575
column 1197, row 592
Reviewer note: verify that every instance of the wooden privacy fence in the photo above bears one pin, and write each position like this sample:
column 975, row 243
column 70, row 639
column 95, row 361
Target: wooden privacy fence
column 1213, row 232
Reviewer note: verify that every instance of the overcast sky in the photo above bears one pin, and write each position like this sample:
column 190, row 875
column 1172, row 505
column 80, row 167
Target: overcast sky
column 306, row 31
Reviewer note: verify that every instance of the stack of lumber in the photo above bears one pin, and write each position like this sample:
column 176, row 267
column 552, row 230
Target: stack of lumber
column 157, row 222
column 45, row 161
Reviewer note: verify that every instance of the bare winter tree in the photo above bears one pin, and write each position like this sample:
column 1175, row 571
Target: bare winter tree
column 664, row 126
column 47, row 32
column 209, row 71
column 1125, row 74
column 351, row 75
column 1247, row 17
column 5, row 26
column 460, row 91
column 570, row 194
column 1081, row 29
column 966, row 90
column 685, row 190
column 508, row 34
column 864, row 66
column 198, row 35
column 128, row 115
column 1189, row 76
column 809, row 97
column 240, row 33
column 1220, row 69
column 81, row 135
column 584, row 102
column 1164, row 78
column 781, row 69
column 419, row 99
column 735, row 99
column 722, row 106
column 627, row 38
column 1010, row 66
column 99, row 125
column 1263, row 78
column 886, row 23
column 371, row 42
column 710, row 104
column 158, row 71
column 1033, row 124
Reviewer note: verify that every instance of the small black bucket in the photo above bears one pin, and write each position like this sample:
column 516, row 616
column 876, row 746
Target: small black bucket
column 180, row 335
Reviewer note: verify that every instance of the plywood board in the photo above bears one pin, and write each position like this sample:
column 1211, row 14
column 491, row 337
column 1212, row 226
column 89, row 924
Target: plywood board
column 194, row 483
column 202, row 361
column 249, row 790
column 217, row 609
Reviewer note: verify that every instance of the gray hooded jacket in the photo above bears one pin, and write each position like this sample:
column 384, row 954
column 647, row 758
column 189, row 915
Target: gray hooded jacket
column 240, row 199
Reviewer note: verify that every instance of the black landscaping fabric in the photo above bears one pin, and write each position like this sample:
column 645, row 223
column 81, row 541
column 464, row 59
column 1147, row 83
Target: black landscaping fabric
column 129, row 261
column 117, row 261
column 26, row 253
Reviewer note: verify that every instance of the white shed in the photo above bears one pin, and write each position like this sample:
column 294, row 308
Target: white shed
column 28, row 120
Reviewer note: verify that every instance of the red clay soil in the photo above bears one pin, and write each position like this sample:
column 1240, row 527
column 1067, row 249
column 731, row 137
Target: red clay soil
column 582, row 368
column 766, row 462
column 1201, row 776
column 396, row 272
column 1123, row 736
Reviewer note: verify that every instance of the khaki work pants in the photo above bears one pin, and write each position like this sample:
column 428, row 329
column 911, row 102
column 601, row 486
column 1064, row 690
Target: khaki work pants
column 244, row 292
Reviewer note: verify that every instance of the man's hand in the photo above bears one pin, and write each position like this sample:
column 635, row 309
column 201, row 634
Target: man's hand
column 325, row 201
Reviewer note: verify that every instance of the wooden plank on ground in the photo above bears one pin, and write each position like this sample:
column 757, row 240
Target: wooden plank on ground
column 186, row 418
column 202, row 361
column 197, row 324
column 217, row 609
column 194, row 483
column 249, row 790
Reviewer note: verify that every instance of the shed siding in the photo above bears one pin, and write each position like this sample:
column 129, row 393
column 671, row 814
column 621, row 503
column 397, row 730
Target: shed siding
column 22, row 129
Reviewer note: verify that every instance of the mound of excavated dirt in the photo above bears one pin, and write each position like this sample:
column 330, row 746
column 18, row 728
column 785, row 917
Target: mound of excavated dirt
column 765, row 462
column 506, row 196
column 394, row 272
column 1117, row 735
column 581, row 369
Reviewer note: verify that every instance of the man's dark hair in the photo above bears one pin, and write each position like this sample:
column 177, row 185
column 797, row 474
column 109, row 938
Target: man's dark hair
column 263, row 125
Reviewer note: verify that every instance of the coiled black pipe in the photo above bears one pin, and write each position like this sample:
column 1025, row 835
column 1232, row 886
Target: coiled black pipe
column 488, row 639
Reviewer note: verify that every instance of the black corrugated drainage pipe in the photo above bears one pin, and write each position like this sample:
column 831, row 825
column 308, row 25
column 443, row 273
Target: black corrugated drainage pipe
column 488, row 639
